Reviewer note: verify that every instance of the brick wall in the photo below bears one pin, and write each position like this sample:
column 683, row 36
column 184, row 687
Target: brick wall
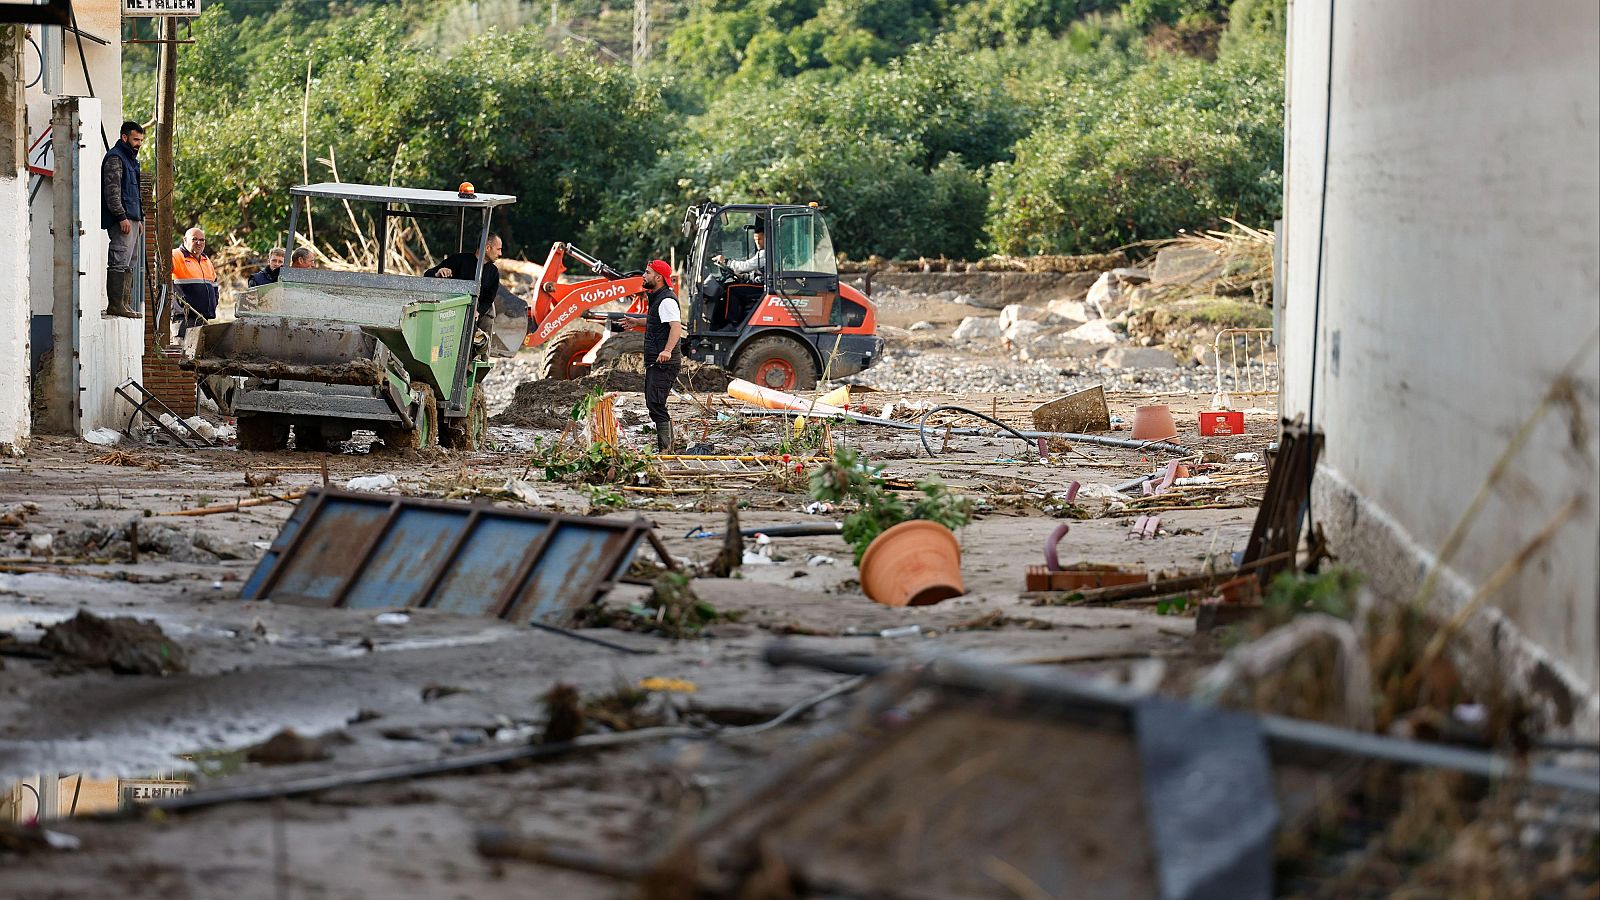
column 162, row 377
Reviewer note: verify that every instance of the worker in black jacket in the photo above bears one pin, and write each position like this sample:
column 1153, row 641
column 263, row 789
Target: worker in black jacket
column 663, row 330
column 122, row 218
column 463, row 265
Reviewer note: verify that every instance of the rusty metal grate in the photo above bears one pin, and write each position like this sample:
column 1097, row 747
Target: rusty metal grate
column 376, row 551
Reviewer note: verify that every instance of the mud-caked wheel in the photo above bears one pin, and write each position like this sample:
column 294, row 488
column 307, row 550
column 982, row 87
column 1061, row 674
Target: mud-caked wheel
column 262, row 432
column 424, row 432
column 563, row 356
column 622, row 353
column 470, row 431
column 778, row 363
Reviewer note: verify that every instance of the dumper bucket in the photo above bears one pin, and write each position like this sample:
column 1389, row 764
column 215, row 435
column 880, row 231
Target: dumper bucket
column 270, row 347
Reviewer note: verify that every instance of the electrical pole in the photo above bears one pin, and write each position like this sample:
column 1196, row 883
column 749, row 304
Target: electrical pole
column 641, row 33
column 166, row 173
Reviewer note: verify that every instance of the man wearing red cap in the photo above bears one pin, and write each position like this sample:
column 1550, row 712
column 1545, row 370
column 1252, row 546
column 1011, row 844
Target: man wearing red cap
column 662, row 331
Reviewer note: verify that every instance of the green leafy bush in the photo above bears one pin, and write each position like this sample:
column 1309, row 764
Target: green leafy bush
column 847, row 478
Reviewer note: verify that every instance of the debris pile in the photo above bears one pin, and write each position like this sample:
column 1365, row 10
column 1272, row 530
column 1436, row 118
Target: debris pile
column 532, row 403
column 125, row 541
column 125, row 646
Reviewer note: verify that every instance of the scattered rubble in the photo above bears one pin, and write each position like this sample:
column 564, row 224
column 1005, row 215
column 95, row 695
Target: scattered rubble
column 288, row 747
column 124, row 645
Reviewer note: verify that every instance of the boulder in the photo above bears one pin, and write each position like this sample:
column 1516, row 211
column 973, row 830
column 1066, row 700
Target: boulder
column 1020, row 332
column 977, row 328
column 1018, row 312
column 1057, row 343
column 1098, row 332
column 1138, row 358
column 923, row 325
column 1070, row 311
column 1105, row 297
column 1130, row 275
column 1186, row 265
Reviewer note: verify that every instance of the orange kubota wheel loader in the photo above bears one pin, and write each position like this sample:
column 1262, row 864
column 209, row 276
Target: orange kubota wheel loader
column 760, row 293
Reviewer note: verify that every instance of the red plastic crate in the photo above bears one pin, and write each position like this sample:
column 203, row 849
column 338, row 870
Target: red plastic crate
column 1218, row 423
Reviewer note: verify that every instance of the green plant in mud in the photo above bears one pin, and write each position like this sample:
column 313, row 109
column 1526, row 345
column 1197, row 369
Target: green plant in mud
column 595, row 464
column 802, row 437
column 846, row 477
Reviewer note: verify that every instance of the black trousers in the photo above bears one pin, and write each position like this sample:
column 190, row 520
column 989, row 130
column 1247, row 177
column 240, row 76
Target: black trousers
column 658, row 381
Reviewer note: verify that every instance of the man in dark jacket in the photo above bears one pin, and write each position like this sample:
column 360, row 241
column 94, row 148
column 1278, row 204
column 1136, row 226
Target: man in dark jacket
column 122, row 217
column 270, row 272
column 464, row 265
column 663, row 330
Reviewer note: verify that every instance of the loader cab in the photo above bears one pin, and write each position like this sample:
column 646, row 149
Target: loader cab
column 797, row 281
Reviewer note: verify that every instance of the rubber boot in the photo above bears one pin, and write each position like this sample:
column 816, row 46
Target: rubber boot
column 663, row 437
column 119, row 293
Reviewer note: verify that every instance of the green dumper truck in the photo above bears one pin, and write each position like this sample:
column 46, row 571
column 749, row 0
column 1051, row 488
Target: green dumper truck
column 329, row 352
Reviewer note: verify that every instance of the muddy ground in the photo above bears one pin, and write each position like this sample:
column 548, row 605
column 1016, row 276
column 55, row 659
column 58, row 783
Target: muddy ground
column 438, row 685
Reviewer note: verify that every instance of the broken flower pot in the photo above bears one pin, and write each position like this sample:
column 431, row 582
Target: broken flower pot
column 1154, row 423
column 915, row 563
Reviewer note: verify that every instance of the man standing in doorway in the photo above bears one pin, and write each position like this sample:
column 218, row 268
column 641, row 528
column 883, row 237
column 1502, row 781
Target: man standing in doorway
column 196, row 282
column 122, row 217
column 662, row 331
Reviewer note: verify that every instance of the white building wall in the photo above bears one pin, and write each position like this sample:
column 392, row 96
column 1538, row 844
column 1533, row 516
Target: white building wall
column 13, row 249
column 1460, row 278
column 109, row 348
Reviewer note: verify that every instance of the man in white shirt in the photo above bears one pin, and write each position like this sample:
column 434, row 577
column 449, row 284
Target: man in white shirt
column 663, row 332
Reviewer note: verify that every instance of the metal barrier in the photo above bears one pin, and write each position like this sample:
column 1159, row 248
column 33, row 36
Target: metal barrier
column 1247, row 363
column 377, row 551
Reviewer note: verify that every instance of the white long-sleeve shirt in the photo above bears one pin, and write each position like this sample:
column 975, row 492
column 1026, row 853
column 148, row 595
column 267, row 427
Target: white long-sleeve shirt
column 747, row 265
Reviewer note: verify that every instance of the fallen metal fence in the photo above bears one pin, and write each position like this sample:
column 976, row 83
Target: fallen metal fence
column 377, row 551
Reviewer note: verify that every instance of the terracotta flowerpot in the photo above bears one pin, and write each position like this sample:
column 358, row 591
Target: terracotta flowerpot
column 1154, row 423
column 915, row 563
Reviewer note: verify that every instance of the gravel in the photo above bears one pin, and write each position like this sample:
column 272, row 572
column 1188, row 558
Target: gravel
column 979, row 368
column 947, row 372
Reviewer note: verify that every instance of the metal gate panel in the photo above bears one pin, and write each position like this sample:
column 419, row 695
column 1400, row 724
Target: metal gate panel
column 376, row 551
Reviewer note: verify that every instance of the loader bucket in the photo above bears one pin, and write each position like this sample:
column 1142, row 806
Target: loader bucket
column 510, row 325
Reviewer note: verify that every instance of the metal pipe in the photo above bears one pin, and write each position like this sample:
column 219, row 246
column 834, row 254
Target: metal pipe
column 1095, row 439
column 799, row 529
column 1079, row 698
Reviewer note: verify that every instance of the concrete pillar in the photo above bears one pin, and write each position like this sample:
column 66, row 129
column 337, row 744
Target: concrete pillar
column 14, row 312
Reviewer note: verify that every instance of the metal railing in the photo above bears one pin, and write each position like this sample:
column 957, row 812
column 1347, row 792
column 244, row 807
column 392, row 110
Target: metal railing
column 1247, row 362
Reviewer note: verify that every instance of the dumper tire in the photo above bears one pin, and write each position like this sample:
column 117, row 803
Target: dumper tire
column 563, row 356
column 622, row 353
column 423, row 432
column 308, row 436
column 468, row 432
column 777, row 362
column 262, row 432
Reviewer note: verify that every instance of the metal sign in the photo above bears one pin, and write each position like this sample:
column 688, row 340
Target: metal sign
column 136, row 8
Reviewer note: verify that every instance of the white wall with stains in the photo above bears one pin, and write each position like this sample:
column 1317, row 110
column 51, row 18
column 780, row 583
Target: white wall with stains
column 1459, row 251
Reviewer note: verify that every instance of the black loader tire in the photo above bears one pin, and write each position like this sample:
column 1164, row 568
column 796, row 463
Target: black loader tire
column 562, row 354
column 780, row 354
column 622, row 353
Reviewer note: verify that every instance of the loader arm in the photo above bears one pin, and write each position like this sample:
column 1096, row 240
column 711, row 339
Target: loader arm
column 558, row 305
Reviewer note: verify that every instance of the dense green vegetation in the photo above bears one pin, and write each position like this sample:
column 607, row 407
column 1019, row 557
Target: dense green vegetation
column 927, row 127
